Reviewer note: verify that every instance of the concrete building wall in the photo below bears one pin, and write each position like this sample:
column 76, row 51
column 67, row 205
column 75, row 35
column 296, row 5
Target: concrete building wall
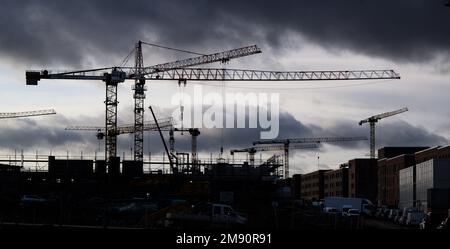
column 312, row 185
column 444, row 152
column 70, row 168
column 434, row 173
column 382, row 182
column 336, row 183
column 425, row 155
column 406, row 187
column 297, row 186
column 363, row 179
column 393, row 166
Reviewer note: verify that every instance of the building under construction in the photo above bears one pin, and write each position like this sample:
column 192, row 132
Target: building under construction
column 88, row 192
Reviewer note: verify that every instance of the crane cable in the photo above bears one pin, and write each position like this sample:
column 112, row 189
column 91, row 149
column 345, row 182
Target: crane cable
column 170, row 48
column 127, row 58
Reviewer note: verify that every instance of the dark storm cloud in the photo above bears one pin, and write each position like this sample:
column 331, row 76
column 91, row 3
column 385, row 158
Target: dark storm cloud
column 50, row 32
column 29, row 134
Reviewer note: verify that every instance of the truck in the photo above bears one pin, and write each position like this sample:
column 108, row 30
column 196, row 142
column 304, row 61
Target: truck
column 216, row 215
column 364, row 206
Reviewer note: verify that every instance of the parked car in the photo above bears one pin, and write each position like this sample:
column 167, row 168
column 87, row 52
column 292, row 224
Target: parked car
column 386, row 213
column 402, row 220
column 392, row 214
column 398, row 216
column 445, row 224
column 343, row 204
column 406, row 211
column 330, row 210
column 414, row 218
column 425, row 222
column 378, row 212
column 432, row 220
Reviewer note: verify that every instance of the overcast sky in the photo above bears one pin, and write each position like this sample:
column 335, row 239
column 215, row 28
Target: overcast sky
column 409, row 36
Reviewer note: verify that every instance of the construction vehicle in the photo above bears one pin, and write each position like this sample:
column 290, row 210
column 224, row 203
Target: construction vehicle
column 374, row 119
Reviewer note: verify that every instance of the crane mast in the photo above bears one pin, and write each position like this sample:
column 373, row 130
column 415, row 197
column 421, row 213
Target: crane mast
column 194, row 134
column 139, row 96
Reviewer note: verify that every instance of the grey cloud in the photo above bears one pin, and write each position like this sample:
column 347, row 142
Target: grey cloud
column 398, row 133
column 28, row 134
column 51, row 32
column 47, row 133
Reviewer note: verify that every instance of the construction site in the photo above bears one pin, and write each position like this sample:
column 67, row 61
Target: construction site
column 108, row 190
column 261, row 184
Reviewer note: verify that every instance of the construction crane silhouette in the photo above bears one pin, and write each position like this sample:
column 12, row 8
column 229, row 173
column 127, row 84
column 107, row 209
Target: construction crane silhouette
column 252, row 150
column 139, row 75
column 287, row 143
column 374, row 119
column 112, row 76
column 122, row 129
column 4, row 115
column 181, row 71
column 166, row 124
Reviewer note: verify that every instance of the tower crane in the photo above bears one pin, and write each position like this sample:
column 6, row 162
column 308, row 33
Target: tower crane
column 287, row 143
column 180, row 71
column 122, row 129
column 4, row 115
column 374, row 119
column 112, row 76
column 252, row 150
column 139, row 87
